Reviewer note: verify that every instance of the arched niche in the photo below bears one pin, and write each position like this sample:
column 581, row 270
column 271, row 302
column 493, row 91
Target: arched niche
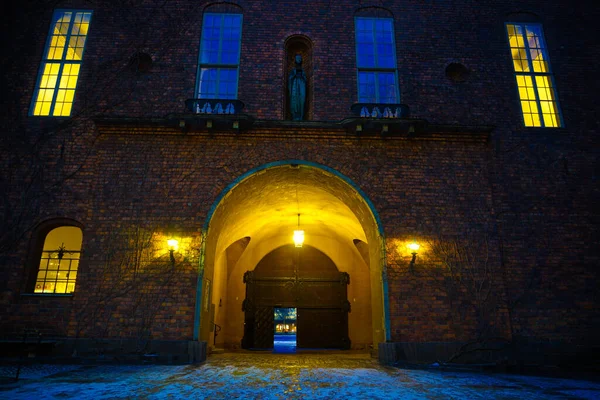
column 373, row 11
column 523, row 16
column 223, row 7
column 299, row 44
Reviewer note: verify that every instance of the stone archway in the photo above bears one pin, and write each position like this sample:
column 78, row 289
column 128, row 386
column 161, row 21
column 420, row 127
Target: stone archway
column 258, row 213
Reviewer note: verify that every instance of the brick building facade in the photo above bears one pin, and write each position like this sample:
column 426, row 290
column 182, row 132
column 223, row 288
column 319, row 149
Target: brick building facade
column 417, row 128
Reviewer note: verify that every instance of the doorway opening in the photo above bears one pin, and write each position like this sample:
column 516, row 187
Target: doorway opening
column 254, row 219
column 285, row 330
column 307, row 281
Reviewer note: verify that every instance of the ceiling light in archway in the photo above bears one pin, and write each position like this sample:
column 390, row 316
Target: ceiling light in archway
column 298, row 235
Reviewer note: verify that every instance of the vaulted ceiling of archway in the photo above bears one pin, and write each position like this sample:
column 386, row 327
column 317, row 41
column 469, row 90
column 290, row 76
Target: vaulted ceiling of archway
column 267, row 204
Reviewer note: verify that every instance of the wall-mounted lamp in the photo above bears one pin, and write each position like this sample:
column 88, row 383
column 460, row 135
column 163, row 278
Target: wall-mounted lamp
column 173, row 246
column 414, row 247
column 298, row 235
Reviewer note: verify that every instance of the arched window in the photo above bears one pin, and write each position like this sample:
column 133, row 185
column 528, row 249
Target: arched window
column 59, row 261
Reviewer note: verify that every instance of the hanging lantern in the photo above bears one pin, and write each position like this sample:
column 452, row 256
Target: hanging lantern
column 298, row 235
column 298, row 238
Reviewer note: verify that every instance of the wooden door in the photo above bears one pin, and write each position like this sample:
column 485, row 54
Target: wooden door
column 322, row 328
column 264, row 328
column 305, row 279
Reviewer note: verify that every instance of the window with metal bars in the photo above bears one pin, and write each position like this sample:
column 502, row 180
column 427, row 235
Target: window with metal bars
column 535, row 82
column 60, row 67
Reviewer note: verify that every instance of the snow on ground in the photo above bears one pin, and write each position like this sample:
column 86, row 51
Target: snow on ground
column 263, row 375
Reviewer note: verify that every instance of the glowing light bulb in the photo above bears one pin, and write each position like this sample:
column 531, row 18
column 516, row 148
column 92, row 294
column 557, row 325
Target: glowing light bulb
column 414, row 246
column 298, row 238
column 173, row 244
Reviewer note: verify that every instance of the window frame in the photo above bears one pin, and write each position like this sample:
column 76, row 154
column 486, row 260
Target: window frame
column 376, row 69
column 219, row 66
column 549, row 73
column 62, row 62
column 36, row 251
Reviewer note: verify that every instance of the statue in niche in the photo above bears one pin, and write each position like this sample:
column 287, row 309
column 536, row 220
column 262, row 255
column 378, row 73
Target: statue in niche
column 297, row 90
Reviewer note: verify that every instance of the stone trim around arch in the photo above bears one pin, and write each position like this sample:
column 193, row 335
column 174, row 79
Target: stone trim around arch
column 378, row 236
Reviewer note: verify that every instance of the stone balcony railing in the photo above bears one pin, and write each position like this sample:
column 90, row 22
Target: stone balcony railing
column 382, row 118
column 380, row 110
column 215, row 106
column 217, row 114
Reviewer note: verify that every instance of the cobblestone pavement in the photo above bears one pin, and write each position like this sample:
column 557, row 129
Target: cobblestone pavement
column 264, row 375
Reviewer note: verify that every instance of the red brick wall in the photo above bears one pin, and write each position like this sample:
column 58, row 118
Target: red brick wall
column 540, row 182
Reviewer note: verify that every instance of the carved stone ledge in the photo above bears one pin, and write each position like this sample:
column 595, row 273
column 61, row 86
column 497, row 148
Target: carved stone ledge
column 215, row 114
column 384, row 126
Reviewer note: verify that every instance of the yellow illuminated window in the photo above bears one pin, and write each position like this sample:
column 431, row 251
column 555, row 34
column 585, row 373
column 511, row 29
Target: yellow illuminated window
column 539, row 103
column 59, row 262
column 60, row 67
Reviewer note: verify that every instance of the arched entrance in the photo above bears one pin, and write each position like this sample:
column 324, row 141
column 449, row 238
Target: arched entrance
column 257, row 214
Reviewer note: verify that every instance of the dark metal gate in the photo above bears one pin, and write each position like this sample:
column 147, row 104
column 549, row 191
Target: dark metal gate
column 319, row 292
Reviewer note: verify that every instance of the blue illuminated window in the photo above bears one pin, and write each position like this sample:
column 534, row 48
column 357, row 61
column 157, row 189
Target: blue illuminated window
column 376, row 60
column 219, row 56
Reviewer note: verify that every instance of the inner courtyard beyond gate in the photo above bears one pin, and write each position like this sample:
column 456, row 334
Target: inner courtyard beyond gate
column 251, row 265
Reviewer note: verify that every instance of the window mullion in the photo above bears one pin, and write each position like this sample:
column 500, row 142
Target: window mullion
column 221, row 30
column 537, row 100
column 218, row 83
column 374, row 37
column 377, row 98
column 376, row 56
column 204, row 65
column 62, row 63
column 56, row 278
column 527, row 49
column 533, row 75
